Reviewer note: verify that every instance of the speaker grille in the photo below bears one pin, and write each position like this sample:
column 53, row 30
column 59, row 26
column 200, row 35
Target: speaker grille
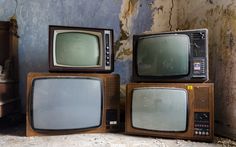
column 201, row 95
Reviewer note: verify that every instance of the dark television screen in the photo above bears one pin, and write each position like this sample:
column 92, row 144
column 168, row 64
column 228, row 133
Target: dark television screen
column 163, row 55
column 159, row 109
column 66, row 103
column 74, row 48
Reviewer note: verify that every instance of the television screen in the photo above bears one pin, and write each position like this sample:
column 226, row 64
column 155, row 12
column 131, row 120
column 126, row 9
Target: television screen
column 79, row 49
column 159, row 109
column 180, row 56
column 163, row 55
column 66, row 103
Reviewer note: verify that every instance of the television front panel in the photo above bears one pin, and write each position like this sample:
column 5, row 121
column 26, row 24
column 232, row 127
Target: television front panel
column 170, row 110
column 68, row 103
column 171, row 56
column 80, row 49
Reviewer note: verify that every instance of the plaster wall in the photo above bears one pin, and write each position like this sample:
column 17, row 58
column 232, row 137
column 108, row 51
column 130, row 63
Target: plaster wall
column 220, row 19
column 125, row 17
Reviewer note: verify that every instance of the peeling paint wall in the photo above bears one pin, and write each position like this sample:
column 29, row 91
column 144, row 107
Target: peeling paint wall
column 220, row 19
column 141, row 16
column 144, row 16
column 125, row 17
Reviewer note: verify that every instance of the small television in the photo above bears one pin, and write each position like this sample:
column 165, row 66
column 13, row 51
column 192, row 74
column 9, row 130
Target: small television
column 180, row 56
column 64, row 103
column 77, row 49
column 170, row 110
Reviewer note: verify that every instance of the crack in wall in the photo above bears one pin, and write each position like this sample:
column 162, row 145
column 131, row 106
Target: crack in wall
column 171, row 12
column 164, row 15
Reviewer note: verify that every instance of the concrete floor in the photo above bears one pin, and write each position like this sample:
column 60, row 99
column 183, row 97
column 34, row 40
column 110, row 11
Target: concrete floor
column 14, row 136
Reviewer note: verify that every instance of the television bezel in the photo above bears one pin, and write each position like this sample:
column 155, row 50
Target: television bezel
column 58, row 130
column 174, row 78
column 105, row 55
column 111, row 102
column 189, row 133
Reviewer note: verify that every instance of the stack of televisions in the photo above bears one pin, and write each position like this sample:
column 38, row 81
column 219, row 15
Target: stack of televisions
column 171, row 97
column 174, row 100
column 80, row 94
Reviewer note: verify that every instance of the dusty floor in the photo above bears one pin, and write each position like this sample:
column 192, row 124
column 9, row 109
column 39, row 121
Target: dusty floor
column 12, row 135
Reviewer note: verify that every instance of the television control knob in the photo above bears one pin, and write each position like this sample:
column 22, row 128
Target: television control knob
column 202, row 35
column 203, row 133
column 200, row 133
column 107, row 47
column 196, row 132
column 207, row 133
column 107, row 53
column 196, row 45
column 107, row 57
column 107, row 63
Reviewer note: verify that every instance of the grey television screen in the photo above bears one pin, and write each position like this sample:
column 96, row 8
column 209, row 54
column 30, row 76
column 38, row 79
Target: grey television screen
column 66, row 103
column 163, row 55
column 159, row 109
column 74, row 48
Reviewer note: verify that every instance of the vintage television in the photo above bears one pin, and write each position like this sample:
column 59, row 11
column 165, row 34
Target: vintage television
column 77, row 49
column 180, row 56
column 64, row 103
column 170, row 110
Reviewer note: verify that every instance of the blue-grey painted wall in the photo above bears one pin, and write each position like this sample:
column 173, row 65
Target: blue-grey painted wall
column 34, row 16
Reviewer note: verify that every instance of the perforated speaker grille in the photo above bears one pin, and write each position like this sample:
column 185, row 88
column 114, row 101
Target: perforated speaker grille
column 201, row 95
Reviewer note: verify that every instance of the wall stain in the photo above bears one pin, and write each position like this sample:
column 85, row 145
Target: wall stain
column 210, row 1
column 220, row 19
column 226, row 20
column 131, row 6
column 123, row 45
column 167, row 19
column 125, row 52
column 187, row 24
column 159, row 9
column 123, row 36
